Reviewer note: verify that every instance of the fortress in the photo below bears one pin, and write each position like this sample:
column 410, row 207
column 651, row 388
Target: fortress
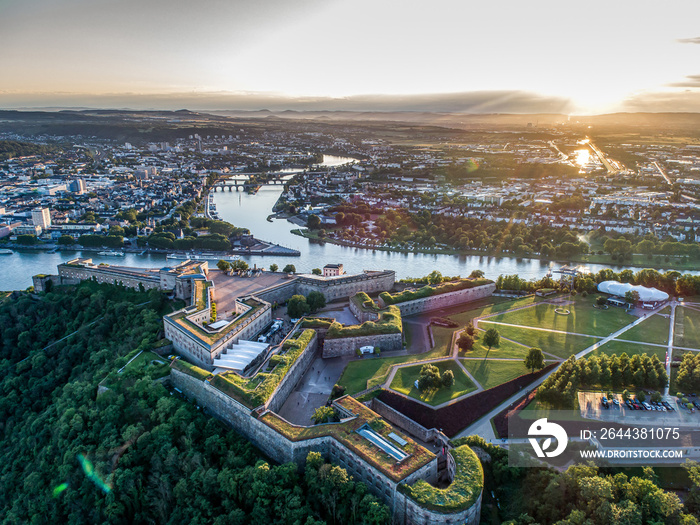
column 246, row 385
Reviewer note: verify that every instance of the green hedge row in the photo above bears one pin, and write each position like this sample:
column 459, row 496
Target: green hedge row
column 389, row 322
column 427, row 291
column 190, row 369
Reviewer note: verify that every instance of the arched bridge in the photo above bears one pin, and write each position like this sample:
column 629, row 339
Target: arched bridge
column 245, row 184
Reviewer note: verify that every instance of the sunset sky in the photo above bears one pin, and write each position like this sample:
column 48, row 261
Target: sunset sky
column 460, row 55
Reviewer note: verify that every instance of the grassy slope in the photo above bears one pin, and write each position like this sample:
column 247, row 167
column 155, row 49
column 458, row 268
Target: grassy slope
column 562, row 345
column 404, row 378
column 687, row 329
column 490, row 373
column 504, row 349
column 583, row 319
column 653, row 330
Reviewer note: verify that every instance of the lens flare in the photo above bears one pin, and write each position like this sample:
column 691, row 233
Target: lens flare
column 59, row 489
column 92, row 475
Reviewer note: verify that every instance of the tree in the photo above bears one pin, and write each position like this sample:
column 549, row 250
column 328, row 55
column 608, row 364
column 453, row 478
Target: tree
column 224, row 266
column 313, row 222
column 632, row 297
column 476, row 274
column 323, row 415
column 290, row 268
column 448, row 379
column 65, row 240
column 316, row 300
column 601, row 300
column 239, row 266
column 316, row 271
column 27, row 239
column 274, row 267
column 492, row 337
column 534, row 360
column 470, row 329
column 297, row 306
column 625, row 394
column 429, row 377
column 641, row 395
column 435, row 277
column 465, row 342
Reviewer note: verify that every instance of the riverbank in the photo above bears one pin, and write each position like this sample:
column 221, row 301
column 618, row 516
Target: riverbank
column 260, row 248
column 639, row 261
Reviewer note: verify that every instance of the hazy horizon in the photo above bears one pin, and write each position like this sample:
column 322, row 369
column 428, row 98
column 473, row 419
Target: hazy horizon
column 453, row 56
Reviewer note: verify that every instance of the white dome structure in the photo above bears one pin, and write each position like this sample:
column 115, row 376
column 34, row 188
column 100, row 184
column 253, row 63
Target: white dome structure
column 646, row 295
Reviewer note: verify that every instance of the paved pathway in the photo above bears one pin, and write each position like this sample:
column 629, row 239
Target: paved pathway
column 541, row 329
column 669, row 350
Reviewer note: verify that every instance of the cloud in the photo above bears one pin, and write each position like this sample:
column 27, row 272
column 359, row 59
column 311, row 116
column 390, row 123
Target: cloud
column 468, row 102
column 695, row 40
column 664, row 101
column 692, row 81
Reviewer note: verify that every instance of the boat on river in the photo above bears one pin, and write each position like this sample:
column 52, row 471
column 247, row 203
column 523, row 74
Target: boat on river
column 5, row 251
column 111, row 253
column 201, row 257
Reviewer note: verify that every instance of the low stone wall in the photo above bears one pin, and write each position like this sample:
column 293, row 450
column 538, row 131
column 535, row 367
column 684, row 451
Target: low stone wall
column 293, row 376
column 279, row 293
column 435, row 302
column 348, row 345
column 405, row 423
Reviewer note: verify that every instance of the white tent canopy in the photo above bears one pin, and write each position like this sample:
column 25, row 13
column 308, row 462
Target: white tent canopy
column 240, row 355
column 646, row 295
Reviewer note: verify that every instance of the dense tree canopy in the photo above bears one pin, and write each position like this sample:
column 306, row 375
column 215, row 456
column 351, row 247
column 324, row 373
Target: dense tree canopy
column 135, row 453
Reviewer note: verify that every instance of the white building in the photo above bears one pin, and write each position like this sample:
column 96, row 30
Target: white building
column 41, row 217
column 333, row 270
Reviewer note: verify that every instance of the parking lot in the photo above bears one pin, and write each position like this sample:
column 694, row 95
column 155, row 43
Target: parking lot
column 668, row 411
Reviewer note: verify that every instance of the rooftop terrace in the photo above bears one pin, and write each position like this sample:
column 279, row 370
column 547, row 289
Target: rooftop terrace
column 347, row 433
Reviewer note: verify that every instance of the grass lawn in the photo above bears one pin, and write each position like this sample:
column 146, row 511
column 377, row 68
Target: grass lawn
column 490, row 373
column 365, row 372
column 583, row 319
column 145, row 359
column 562, row 345
column 653, row 329
column 500, row 305
column 687, row 329
column 618, row 347
column 504, row 349
column 405, row 377
column 442, row 337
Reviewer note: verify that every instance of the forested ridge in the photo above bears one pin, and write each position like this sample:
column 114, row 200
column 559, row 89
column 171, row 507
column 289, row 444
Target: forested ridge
column 11, row 148
column 135, row 454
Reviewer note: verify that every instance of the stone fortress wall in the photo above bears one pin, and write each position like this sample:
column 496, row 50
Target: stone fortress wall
column 348, row 345
column 70, row 273
column 435, row 302
column 283, row 450
column 294, row 375
column 345, row 286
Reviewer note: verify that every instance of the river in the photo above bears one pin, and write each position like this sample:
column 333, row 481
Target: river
column 251, row 211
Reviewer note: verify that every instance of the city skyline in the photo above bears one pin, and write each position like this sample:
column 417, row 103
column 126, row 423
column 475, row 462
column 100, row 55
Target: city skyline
column 450, row 57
